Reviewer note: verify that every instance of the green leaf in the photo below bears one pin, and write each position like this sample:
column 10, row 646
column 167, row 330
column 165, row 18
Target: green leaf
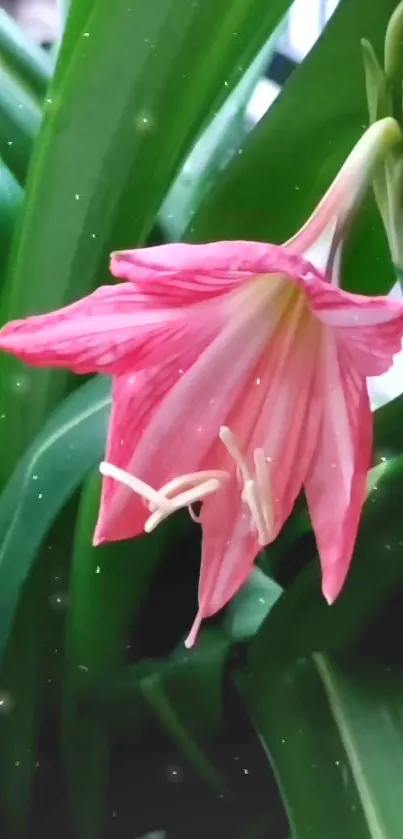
column 20, row 117
column 30, row 675
column 107, row 589
column 292, row 156
column 109, row 150
column 248, row 609
column 183, row 694
column 388, row 429
column 70, row 445
column 173, row 725
column 212, row 151
column 376, row 573
column 11, row 196
column 23, row 58
column 333, row 733
column 192, row 681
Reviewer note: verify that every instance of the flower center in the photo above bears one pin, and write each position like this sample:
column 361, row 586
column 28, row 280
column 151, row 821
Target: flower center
column 256, row 492
column 186, row 490
column 180, row 492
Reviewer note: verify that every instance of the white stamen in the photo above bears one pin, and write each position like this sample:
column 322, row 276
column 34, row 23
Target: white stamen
column 184, row 499
column 263, row 486
column 191, row 480
column 256, row 489
column 230, row 443
column 195, row 486
column 139, row 487
column 251, row 496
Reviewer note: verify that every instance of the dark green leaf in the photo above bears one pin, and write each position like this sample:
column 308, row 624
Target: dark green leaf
column 291, row 157
column 23, row 58
column 109, row 150
column 333, row 733
column 11, row 196
column 20, row 118
column 248, row 609
column 301, row 622
column 108, row 585
column 70, row 445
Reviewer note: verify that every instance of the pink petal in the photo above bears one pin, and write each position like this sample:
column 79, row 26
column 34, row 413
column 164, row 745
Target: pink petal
column 136, row 399
column 344, row 194
column 182, row 274
column 182, row 430
column 112, row 331
column 276, row 411
column 371, row 327
column 335, row 486
column 228, row 552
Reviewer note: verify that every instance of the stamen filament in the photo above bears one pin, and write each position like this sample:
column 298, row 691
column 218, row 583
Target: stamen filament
column 184, row 499
column 193, row 479
column 136, row 485
column 230, row 443
column 251, row 496
column 263, row 485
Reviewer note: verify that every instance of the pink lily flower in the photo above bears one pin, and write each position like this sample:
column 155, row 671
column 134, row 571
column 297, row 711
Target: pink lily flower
column 239, row 378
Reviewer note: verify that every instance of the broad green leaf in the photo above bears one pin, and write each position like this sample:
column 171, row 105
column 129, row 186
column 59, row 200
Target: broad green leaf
column 22, row 58
column 192, row 681
column 108, row 585
column 376, row 573
column 183, row 694
column 388, row 429
column 247, row 610
column 212, row 151
column 291, row 157
column 366, row 701
column 21, row 680
column 68, row 447
column 333, row 733
column 11, row 196
column 109, row 150
column 172, row 724
column 20, row 117
column 29, row 667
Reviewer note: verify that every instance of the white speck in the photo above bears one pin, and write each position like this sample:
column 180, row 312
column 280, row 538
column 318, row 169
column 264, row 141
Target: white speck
column 77, row 196
column 82, row 667
column 3, row 416
column 225, row 84
column 17, row 763
column 180, row 371
column 48, row 100
column 261, row 600
column 34, row 477
column 40, row 495
column 93, row 235
column 107, row 358
column 10, row 142
column 86, row 34
column 245, row 771
column 37, row 764
column 258, row 381
column 98, row 569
